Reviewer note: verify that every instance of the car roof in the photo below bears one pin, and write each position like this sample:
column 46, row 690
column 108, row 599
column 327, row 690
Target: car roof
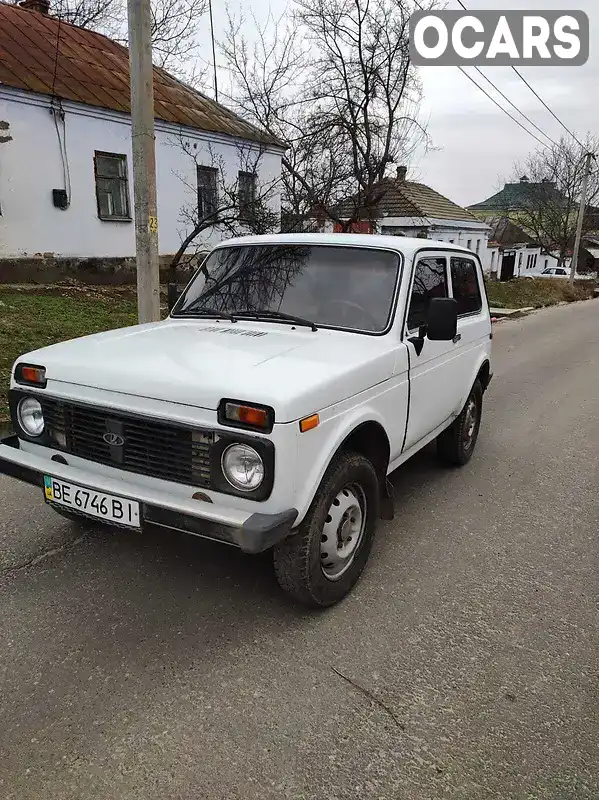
column 402, row 244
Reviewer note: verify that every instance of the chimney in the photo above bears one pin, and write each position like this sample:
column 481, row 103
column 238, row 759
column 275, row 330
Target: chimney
column 401, row 174
column 524, row 179
column 41, row 6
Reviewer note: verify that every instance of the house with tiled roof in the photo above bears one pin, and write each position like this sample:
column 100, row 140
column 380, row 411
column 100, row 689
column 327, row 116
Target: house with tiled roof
column 65, row 149
column 513, row 197
column 515, row 253
column 408, row 208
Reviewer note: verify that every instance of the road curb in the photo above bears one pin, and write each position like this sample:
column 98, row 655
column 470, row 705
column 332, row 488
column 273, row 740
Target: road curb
column 505, row 314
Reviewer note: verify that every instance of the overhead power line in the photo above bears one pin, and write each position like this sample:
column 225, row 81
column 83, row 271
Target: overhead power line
column 538, row 96
column 553, row 114
column 515, row 107
column 501, row 108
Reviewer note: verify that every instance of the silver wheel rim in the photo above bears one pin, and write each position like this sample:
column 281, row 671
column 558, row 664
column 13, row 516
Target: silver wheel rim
column 470, row 420
column 342, row 532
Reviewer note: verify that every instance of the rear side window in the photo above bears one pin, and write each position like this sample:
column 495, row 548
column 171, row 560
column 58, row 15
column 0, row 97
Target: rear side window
column 430, row 280
column 466, row 290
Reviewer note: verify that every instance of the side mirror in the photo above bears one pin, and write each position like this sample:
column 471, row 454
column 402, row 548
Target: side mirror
column 173, row 295
column 442, row 319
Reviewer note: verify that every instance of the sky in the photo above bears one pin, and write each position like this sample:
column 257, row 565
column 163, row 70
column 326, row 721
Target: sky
column 475, row 145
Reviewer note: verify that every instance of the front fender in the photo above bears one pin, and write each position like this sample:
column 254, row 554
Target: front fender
column 318, row 447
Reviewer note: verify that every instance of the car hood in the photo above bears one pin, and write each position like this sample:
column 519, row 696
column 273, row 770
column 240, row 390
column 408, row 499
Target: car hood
column 297, row 371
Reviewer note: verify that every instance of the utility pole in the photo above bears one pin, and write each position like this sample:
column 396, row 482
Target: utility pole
column 581, row 209
column 144, row 160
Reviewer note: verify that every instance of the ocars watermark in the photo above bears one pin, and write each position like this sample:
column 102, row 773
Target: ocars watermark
column 501, row 38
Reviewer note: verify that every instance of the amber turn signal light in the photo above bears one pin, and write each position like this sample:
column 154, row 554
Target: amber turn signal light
column 247, row 415
column 308, row 423
column 30, row 375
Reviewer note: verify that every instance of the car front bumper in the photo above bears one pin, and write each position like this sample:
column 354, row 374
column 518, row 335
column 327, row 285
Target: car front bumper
column 253, row 533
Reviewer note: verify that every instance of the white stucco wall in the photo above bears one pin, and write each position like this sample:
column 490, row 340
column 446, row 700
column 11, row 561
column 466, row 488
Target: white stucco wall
column 529, row 261
column 30, row 167
column 473, row 235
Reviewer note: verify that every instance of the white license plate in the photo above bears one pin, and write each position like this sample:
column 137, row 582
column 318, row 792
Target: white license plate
column 108, row 507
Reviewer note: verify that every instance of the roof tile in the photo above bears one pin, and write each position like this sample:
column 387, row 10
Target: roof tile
column 94, row 70
column 410, row 199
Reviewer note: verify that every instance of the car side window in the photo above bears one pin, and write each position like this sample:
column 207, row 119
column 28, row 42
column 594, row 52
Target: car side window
column 466, row 289
column 430, row 280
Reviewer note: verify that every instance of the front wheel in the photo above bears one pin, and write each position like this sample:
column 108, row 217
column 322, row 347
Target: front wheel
column 456, row 444
column 322, row 561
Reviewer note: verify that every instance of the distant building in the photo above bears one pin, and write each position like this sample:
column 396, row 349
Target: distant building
column 513, row 253
column 407, row 208
column 512, row 198
column 506, row 205
column 66, row 193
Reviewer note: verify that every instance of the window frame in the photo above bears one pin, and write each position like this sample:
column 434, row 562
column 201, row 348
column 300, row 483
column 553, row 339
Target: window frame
column 393, row 317
column 440, row 251
column 418, row 256
column 213, row 172
column 124, row 179
column 242, row 214
column 479, row 282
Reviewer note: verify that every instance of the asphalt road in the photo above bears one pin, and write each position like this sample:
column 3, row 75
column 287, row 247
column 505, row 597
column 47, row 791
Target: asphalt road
column 163, row 667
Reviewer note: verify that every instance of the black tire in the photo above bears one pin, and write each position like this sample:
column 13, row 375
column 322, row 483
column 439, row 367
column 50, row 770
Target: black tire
column 455, row 446
column 298, row 559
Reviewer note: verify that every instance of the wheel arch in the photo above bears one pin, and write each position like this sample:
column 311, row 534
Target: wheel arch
column 368, row 437
column 484, row 374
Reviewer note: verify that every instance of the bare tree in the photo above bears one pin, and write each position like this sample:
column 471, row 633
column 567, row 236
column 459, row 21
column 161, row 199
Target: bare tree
column 174, row 27
column 229, row 206
column 332, row 79
column 552, row 186
column 104, row 16
column 174, row 32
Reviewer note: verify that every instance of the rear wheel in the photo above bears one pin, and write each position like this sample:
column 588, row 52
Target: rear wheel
column 322, row 561
column 456, row 444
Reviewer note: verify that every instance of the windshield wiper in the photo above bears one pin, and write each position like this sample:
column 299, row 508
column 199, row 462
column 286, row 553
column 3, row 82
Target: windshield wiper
column 266, row 313
column 207, row 312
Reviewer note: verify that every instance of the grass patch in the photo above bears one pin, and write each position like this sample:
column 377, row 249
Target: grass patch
column 35, row 317
column 539, row 292
column 29, row 320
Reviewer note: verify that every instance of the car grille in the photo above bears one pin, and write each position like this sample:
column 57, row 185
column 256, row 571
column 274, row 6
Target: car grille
column 139, row 444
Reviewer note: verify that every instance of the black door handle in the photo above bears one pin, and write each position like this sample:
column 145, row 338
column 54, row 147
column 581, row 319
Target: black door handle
column 457, row 338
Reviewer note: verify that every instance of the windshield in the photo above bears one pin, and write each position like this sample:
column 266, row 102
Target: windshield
column 340, row 287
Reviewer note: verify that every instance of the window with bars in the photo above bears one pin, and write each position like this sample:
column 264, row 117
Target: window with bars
column 246, row 191
column 112, row 186
column 207, row 191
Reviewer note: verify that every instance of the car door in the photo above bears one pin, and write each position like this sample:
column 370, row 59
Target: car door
column 474, row 322
column 434, row 392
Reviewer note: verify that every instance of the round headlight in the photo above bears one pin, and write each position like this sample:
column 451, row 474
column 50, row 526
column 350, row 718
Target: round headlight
column 31, row 417
column 242, row 467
